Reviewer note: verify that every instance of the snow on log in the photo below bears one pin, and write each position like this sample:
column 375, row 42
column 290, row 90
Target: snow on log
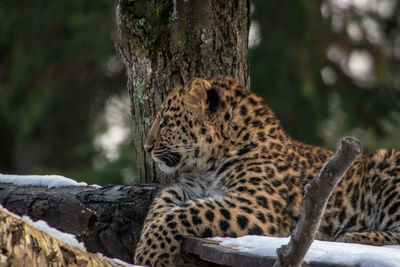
column 22, row 244
column 317, row 194
column 106, row 219
column 321, row 253
column 49, row 181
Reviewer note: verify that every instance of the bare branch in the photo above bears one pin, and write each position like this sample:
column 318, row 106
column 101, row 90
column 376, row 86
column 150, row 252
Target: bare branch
column 317, row 194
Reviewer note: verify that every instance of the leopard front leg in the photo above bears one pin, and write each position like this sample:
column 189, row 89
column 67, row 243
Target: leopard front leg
column 156, row 244
column 161, row 239
column 175, row 195
column 169, row 197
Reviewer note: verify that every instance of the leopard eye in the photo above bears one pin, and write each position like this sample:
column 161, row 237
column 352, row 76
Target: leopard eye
column 165, row 121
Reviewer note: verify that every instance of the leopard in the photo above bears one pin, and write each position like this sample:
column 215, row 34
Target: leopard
column 241, row 174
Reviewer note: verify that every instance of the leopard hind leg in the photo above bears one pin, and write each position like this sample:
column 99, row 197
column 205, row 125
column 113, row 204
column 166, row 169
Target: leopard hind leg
column 382, row 206
column 370, row 238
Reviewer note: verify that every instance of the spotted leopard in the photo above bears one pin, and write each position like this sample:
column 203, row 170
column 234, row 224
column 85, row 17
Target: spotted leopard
column 241, row 174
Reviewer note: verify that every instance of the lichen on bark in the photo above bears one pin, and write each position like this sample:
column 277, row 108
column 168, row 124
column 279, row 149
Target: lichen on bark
column 164, row 44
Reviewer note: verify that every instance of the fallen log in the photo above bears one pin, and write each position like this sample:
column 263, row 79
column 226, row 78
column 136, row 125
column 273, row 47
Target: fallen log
column 107, row 219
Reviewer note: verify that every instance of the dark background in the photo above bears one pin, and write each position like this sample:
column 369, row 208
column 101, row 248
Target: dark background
column 327, row 68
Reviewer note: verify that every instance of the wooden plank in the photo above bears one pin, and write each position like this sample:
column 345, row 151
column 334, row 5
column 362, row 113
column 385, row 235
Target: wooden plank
column 211, row 252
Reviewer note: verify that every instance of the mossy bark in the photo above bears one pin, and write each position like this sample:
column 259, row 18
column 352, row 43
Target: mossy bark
column 164, row 44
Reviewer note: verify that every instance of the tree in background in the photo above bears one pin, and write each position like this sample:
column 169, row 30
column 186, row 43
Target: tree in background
column 286, row 59
column 164, row 44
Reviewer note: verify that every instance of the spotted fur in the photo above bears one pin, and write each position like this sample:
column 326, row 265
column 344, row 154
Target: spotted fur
column 241, row 174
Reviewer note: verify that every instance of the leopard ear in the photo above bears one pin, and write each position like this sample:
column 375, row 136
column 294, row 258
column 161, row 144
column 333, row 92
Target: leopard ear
column 196, row 96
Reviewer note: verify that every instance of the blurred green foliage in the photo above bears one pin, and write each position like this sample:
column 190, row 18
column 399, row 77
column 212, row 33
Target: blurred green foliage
column 312, row 64
column 55, row 79
column 285, row 66
column 58, row 72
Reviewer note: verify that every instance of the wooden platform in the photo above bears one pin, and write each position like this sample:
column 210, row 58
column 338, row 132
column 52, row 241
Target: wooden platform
column 207, row 253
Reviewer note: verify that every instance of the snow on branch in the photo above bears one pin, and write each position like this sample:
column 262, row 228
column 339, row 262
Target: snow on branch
column 317, row 194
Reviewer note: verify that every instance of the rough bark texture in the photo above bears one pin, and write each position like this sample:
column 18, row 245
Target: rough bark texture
column 164, row 44
column 24, row 245
column 107, row 219
column 317, row 194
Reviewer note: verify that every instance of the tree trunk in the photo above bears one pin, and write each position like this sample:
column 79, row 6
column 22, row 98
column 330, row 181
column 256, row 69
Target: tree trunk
column 107, row 219
column 24, row 245
column 164, row 44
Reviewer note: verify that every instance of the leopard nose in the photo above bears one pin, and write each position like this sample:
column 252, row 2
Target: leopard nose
column 148, row 148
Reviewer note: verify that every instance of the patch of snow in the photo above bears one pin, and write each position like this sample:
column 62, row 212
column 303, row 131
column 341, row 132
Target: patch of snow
column 49, row 181
column 66, row 238
column 42, row 226
column 322, row 251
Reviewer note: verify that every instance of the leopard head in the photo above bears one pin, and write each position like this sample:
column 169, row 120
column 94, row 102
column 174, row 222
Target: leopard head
column 183, row 126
